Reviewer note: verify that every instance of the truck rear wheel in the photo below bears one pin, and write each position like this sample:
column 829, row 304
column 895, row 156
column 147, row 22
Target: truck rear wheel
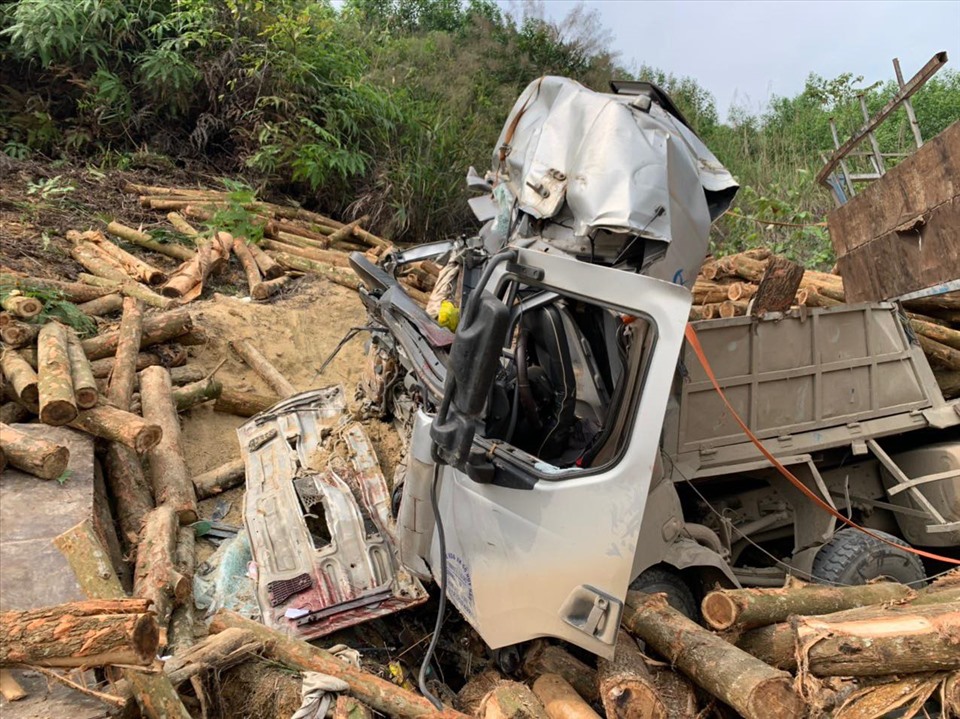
column 657, row 580
column 853, row 557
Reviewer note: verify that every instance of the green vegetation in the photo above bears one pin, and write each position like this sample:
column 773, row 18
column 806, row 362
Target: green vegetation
column 378, row 107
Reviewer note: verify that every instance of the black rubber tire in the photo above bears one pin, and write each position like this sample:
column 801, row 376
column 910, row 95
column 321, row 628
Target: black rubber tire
column 853, row 557
column 656, row 580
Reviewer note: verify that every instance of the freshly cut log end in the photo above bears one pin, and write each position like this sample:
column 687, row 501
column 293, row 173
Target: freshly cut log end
column 719, row 611
column 23, row 307
column 17, row 334
column 115, row 424
column 33, row 455
column 58, row 405
column 626, row 685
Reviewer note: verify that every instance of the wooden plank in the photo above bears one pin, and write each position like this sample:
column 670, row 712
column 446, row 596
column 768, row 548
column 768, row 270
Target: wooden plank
column 901, row 262
column 926, row 179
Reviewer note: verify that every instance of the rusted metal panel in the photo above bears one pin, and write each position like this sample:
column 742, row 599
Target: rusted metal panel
column 317, row 510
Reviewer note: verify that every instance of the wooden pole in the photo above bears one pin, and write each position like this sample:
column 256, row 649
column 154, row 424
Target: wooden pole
column 329, row 272
column 627, row 689
column 329, row 257
column 749, row 608
column 108, row 304
column 936, row 332
column 268, row 289
column 752, row 687
column 156, row 577
column 182, row 620
column 560, row 700
column 93, row 633
column 81, row 373
column 181, row 225
column 268, row 266
column 119, row 426
column 168, row 470
column 58, row 406
column 249, row 263
column 190, row 395
column 86, row 255
column 22, row 378
column 33, row 455
column 156, row 328
column 259, row 364
column 70, row 291
column 379, row 694
column 129, row 335
column 135, row 237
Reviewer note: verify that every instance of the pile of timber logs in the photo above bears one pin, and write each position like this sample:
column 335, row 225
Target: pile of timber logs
column 756, row 281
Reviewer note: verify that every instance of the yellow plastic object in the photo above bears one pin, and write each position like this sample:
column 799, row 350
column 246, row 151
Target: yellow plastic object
column 449, row 315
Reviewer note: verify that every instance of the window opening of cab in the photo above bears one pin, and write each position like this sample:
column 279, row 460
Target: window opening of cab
column 570, row 381
column 314, row 512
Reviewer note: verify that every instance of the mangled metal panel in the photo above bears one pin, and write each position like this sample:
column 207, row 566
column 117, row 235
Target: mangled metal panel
column 596, row 168
column 317, row 510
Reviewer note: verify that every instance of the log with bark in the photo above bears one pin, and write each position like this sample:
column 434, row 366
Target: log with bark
column 750, row 686
column 349, row 708
column 34, row 455
column 937, row 332
column 135, row 237
column 168, row 470
column 13, row 412
column 328, row 257
column 732, row 308
column 472, row 694
column 19, row 305
column 347, row 231
column 266, row 290
column 327, row 271
column 22, row 378
column 97, row 264
column 940, row 354
column 379, row 694
column 92, row 633
column 243, row 404
column 186, row 283
column 268, row 266
column 182, row 620
column 129, row 489
column 156, row 577
column 70, row 291
column 949, row 382
column 560, row 700
column 249, row 263
column 511, row 700
column 259, row 364
column 157, row 328
column 778, row 286
column 58, row 405
column 171, row 356
column 863, row 642
column 181, row 225
column 219, row 479
column 124, row 374
column 81, row 373
column 133, row 266
column 812, row 297
column 750, row 608
column 154, row 693
column 543, row 658
column 626, row 685
column 105, row 305
column 17, row 334
column 119, row 426
column 129, row 288
column 190, row 395
column 742, row 291
column 676, row 692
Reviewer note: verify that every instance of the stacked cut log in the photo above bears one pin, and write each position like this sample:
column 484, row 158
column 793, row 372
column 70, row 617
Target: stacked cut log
column 729, row 287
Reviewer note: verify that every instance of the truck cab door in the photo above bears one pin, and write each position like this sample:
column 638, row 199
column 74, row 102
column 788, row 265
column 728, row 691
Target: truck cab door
column 544, row 548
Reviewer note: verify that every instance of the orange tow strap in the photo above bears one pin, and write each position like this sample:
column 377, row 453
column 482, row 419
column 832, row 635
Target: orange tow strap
column 691, row 335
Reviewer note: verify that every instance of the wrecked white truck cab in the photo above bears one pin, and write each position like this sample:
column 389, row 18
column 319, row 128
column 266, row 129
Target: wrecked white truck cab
column 534, row 433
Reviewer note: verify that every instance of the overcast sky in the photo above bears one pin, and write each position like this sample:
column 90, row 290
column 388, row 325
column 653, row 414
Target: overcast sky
column 744, row 52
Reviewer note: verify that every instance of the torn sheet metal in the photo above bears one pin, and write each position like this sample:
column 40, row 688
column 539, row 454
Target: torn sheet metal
column 595, row 168
column 317, row 510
